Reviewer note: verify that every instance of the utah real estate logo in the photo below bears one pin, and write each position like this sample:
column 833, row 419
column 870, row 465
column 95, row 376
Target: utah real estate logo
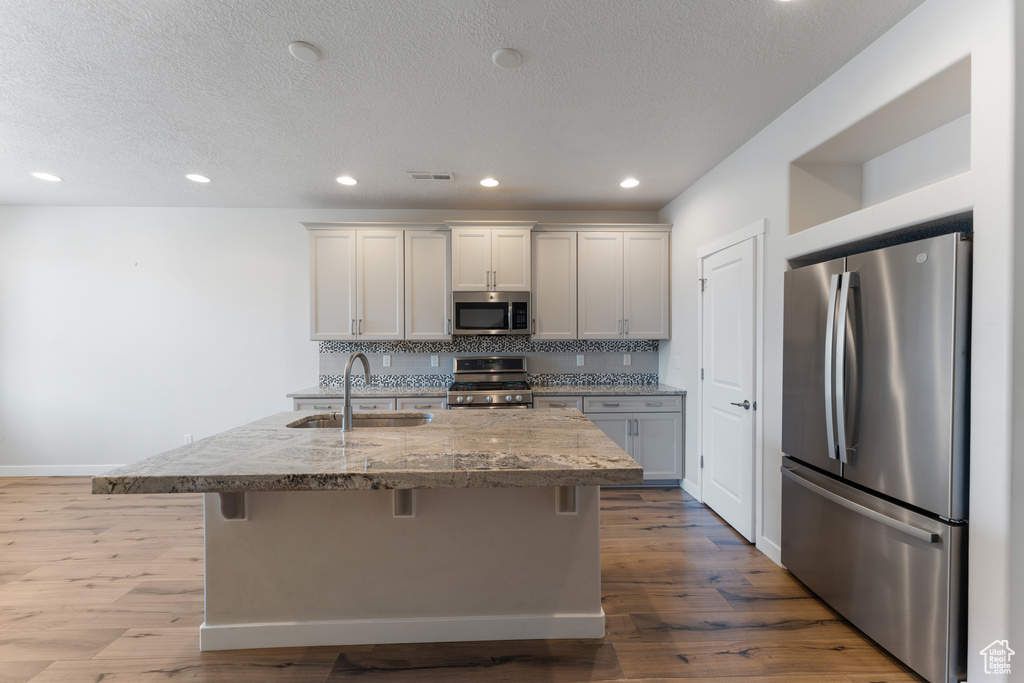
column 997, row 657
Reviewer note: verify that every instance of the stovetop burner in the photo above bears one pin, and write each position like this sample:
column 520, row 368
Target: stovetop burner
column 496, row 382
column 489, row 386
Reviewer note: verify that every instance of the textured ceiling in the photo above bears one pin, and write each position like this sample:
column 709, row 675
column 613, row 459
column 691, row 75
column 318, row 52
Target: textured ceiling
column 122, row 98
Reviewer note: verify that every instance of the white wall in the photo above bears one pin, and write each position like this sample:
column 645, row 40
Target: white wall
column 752, row 184
column 123, row 329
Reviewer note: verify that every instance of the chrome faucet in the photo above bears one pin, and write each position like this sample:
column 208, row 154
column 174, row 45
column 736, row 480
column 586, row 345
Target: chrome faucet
column 347, row 423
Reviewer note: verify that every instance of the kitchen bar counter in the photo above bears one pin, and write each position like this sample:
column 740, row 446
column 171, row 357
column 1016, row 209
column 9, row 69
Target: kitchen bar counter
column 457, row 449
column 491, row 530
column 538, row 390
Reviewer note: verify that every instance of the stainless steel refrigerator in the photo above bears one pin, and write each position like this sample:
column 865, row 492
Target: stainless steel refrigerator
column 875, row 408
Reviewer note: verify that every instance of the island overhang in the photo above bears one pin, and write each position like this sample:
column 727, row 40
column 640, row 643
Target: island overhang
column 456, row 449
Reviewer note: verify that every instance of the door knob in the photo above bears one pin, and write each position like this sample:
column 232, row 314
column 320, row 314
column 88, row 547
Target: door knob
column 745, row 405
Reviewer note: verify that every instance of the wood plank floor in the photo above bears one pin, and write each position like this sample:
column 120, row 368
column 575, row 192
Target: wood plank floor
column 110, row 588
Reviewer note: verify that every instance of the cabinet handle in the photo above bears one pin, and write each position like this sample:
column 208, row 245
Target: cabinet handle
column 428, row 405
column 637, row 430
column 627, row 326
column 352, row 327
column 448, row 326
column 360, row 326
column 610, row 405
column 494, row 279
column 557, row 405
column 533, row 330
column 367, row 407
column 629, row 428
column 322, row 407
column 653, row 405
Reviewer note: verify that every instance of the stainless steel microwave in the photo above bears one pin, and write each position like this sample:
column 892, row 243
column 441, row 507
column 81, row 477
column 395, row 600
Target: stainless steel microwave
column 491, row 312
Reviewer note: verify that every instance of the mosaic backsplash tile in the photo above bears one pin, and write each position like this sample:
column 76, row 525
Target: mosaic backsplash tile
column 549, row 380
column 498, row 344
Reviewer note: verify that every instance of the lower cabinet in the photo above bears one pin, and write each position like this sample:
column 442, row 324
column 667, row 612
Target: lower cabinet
column 337, row 404
column 368, row 404
column 421, row 403
column 545, row 402
column 649, row 428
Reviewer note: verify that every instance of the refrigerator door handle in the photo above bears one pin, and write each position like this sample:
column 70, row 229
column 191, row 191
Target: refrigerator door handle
column 844, row 302
column 830, row 326
column 908, row 529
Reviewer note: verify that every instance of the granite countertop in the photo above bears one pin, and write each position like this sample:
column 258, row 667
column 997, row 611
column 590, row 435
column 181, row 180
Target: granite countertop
column 457, row 449
column 538, row 390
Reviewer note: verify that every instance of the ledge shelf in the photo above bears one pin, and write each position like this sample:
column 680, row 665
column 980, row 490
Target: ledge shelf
column 921, row 138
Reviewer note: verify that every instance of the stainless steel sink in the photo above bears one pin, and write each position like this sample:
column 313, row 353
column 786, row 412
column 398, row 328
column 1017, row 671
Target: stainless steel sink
column 335, row 421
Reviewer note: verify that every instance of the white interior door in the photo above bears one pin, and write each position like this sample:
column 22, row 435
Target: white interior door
column 727, row 397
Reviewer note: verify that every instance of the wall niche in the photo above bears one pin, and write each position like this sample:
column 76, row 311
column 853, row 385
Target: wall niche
column 918, row 139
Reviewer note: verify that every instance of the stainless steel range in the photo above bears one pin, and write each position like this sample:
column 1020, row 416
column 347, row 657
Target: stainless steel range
column 494, row 382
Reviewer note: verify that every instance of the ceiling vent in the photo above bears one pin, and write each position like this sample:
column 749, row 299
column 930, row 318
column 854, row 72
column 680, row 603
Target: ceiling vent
column 424, row 175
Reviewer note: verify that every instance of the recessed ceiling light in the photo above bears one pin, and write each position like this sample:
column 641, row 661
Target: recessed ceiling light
column 46, row 176
column 629, row 182
column 489, row 182
column 304, row 52
column 196, row 178
column 507, row 58
column 347, row 180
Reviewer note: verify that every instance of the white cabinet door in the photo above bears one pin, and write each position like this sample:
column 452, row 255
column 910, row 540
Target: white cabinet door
column 617, row 426
column 645, row 285
column 510, row 260
column 380, row 284
column 428, row 285
column 546, row 402
column 658, row 444
column 420, row 403
column 332, row 272
column 600, row 285
column 471, row 259
column 554, row 285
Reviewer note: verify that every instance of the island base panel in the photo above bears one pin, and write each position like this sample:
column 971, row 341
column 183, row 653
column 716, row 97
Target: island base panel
column 339, row 568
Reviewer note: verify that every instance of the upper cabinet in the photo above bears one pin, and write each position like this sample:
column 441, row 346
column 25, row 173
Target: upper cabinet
column 357, row 279
column 427, row 285
column 623, row 285
column 490, row 258
column 645, row 285
column 554, row 286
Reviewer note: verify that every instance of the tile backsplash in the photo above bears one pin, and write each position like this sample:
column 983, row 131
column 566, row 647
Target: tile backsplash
column 548, row 363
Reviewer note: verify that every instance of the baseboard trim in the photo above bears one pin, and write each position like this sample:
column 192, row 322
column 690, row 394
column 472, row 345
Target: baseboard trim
column 771, row 549
column 55, row 470
column 382, row 631
column 691, row 488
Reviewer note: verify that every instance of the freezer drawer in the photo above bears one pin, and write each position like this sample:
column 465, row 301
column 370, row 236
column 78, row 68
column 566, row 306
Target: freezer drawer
column 896, row 575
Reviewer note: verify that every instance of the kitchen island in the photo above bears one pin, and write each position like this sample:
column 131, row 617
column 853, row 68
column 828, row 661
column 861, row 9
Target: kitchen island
column 470, row 527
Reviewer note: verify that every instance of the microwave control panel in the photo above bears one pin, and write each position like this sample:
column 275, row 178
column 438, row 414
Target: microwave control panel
column 519, row 316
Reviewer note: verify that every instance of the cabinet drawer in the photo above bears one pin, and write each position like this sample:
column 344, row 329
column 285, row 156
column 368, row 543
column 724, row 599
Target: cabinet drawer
column 421, row 403
column 632, row 404
column 544, row 402
column 337, row 404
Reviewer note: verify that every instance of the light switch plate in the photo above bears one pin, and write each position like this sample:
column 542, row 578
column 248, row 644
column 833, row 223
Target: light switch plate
column 386, row 360
column 433, row 361
column 627, row 359
column 579, row 359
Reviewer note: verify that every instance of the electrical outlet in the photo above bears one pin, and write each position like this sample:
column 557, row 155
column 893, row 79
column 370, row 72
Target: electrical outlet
column 387, row 360
column 433, row 361
column 627, row 359
column 188, row 439
column 579, row 359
